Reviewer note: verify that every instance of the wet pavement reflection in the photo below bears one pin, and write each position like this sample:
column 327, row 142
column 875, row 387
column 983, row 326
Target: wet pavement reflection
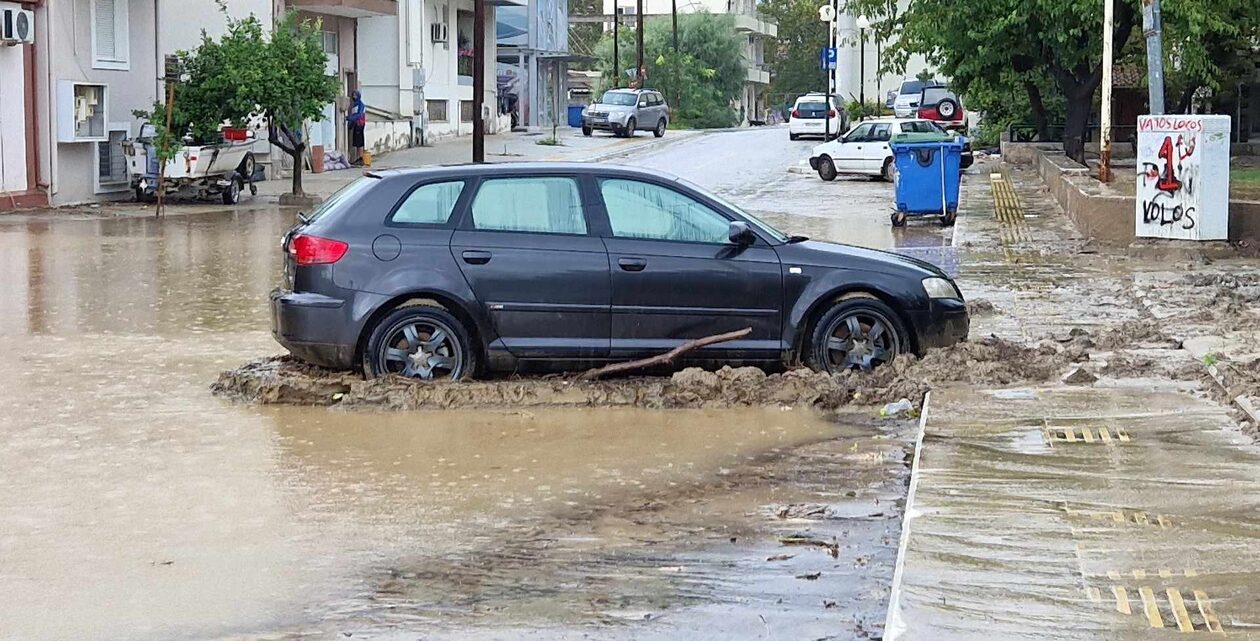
column 138, row 506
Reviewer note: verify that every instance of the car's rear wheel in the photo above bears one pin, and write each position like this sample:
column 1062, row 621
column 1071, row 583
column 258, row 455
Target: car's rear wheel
column 232, row 193
column 420, row 342
column 660, row 128
column 886, row 171
column 859, row 332
column 826, row 168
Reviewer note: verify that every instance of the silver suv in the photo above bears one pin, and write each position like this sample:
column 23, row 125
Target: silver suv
column 625, row 111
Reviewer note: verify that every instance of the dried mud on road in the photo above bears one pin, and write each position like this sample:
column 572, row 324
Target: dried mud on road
column 990, row 361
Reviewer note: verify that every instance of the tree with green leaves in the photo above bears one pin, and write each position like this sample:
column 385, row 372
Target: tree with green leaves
column 699, row 81
column 1055, row 46
column 247, row 71
column 801, row 37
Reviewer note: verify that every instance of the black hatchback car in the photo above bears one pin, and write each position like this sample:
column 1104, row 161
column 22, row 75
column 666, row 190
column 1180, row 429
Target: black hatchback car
column 454, row 271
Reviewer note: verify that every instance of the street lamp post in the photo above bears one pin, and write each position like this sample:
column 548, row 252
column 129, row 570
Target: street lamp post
column 862, row 24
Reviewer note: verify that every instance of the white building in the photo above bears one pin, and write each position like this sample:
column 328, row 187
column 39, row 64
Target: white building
column 419, row 83
column 754, row 27
column 854, row 51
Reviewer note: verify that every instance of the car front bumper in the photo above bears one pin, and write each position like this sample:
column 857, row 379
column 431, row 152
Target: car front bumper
column 606, row 124
column 313, row 328
column 944, row 323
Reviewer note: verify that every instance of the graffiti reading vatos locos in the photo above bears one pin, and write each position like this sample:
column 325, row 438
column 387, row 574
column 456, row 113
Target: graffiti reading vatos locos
column 1175, row 182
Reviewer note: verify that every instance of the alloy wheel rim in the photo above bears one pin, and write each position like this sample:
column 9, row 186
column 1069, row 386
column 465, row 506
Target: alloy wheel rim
column 421, row 349
column 860, row 340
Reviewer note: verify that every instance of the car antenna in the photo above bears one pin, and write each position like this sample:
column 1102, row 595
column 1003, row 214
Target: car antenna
column 302, row 218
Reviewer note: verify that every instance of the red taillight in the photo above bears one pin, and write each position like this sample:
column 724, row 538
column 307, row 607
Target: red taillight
column 313, row 250
column 831, row 113
column 796, row 113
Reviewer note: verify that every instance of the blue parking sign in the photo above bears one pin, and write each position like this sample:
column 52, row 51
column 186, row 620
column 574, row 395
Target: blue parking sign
column 827, row 58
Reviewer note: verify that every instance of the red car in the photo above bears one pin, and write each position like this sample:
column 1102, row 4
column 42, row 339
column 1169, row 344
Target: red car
column 941, row 105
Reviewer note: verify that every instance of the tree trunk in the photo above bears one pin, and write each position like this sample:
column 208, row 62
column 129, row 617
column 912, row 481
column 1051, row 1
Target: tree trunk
column 297, row 168
column 1038, row 106
column 1077, row 124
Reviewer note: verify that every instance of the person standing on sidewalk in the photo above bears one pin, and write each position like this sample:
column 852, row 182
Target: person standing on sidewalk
column 357, row 119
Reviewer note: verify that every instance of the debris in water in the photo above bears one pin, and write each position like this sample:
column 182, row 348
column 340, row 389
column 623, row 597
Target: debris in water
column 832, row 547
column 780, row 557
column 812, row 576
column 898, row 409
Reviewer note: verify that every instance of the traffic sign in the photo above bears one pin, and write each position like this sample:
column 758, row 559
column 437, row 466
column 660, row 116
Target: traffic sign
column 827, row 58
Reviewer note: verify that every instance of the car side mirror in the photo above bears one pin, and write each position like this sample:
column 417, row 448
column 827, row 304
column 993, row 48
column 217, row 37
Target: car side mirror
column 740, row 234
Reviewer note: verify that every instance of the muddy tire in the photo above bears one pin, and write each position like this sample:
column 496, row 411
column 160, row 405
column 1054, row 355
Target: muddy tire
column 858, row 332
column 826, row 168
column 421, row 342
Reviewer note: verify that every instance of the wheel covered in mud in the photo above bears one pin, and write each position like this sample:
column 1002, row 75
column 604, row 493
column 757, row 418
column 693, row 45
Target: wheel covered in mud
column 420, row 342
column 859, row 332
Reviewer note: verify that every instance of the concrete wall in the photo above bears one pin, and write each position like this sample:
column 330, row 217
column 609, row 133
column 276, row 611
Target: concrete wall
column 1101, row 213
column 67, row 54
column 182, row 21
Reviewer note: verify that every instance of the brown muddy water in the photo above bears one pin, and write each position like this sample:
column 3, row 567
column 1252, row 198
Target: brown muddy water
column 139, row 506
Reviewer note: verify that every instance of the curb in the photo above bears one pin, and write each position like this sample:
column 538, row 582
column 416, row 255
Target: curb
column 893, row 626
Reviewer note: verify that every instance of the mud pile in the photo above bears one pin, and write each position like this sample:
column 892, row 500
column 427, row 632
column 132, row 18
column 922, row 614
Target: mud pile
column 991, row 361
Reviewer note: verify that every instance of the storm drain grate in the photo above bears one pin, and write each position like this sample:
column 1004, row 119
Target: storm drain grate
column 1086, row 434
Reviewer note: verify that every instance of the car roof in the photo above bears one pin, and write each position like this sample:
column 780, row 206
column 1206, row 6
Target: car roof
column 630, row 90
column 508, row 169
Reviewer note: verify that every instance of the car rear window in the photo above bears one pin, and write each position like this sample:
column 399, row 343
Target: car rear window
column 344, row 195
column 933, row 95
column 812, row 109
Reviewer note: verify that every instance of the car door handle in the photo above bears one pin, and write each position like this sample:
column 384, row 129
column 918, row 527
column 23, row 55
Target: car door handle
column 474, row 257
column 632, row 264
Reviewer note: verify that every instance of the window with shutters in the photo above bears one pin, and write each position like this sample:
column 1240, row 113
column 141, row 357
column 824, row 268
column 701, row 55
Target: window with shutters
column 110, row 43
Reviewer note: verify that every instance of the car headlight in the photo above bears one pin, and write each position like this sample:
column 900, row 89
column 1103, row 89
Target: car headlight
column 940, row 288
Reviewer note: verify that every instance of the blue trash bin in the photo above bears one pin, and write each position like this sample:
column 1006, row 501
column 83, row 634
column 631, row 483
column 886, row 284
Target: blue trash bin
column 927, row 180
column 575, row 115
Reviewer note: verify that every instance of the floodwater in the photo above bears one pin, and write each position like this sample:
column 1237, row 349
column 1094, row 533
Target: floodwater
column 138, row 506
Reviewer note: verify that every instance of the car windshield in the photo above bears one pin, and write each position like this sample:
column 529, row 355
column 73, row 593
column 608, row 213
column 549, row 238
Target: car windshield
column 621, row 98
column 911, row 87
column 341, row 195
column 777, row 235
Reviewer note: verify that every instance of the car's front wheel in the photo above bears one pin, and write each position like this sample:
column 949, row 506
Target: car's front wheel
column 420, row 342
column 859, row 332
column 631, row 125
column 826, row 168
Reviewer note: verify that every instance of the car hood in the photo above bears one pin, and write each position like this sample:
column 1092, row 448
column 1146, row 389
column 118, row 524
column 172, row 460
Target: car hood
column 823, row 254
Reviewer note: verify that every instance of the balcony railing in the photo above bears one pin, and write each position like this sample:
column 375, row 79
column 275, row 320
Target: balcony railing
column 756, row 24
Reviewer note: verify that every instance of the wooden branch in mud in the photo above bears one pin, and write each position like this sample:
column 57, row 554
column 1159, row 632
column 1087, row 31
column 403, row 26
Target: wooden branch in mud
column 666, row 358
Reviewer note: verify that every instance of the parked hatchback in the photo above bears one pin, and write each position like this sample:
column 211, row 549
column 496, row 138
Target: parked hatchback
column 455, row 271
column 865, row 148
column 813, row 115
column 625, row 111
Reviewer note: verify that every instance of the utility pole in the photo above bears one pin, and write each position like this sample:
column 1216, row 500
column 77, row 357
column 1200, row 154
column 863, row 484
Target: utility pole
column 479, row 79
column 638, row 45
column 1152, row 24
column 673, row 12
column 1104, row 144
column 616, row 44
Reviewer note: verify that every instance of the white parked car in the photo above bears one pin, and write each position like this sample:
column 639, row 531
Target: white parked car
column 811, row 117
column 864, row 149
column 906, row 104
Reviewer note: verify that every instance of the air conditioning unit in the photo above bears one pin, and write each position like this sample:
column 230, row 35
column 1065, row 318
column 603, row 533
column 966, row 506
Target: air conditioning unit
column 17, row 26
column 437, row 32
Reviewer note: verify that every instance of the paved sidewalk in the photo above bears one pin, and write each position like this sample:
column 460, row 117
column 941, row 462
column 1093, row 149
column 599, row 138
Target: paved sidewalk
column 510, row 147
column 1122, row 512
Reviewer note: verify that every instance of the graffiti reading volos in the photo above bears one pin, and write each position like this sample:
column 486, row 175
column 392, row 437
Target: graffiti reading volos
column 1183, row 177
